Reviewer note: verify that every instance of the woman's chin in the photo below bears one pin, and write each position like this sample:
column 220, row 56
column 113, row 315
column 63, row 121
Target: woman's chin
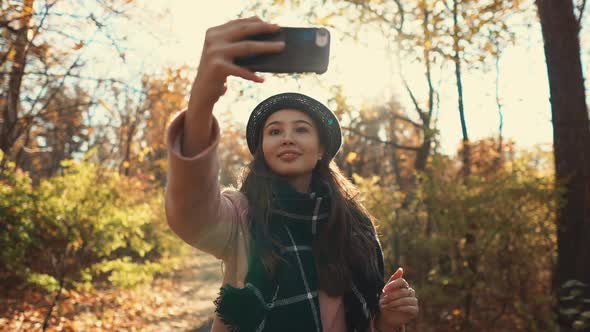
column 290, row 172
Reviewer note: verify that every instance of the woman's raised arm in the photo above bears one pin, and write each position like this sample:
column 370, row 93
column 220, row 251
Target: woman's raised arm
column 196, row 209
column 222, row 45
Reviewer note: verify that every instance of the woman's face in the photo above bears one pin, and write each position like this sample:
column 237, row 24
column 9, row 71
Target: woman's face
column 291, row 143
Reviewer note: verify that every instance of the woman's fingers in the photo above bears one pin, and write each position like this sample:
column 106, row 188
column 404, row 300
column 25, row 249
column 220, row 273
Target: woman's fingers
column 240, row 21
column 404, row 301
column 224, row 89
column 244, row 48
column 408, row 309
column 397, row 274
column 244, row 73
column 392, row 296
column 240, row 31
column 221, row 46
column 397, row 283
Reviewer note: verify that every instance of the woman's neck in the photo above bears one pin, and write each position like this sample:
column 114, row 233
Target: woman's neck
column 301, row 183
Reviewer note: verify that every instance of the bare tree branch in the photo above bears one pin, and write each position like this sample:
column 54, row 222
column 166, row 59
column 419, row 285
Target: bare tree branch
column 29, row 119
column 377, row 139
column 421, row 113
column 21, row 129
column 382, row 17
column 38, row 28
column 117, row 47
column 110, row 8
column 582, row 7
column 63, row 33
column 98, row 24
column 413, row 97
column 402, row 16
column 61, row 84
column 408, row 120
column 80, row 77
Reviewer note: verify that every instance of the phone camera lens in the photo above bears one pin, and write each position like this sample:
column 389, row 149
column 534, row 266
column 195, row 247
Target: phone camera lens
column 322, row 38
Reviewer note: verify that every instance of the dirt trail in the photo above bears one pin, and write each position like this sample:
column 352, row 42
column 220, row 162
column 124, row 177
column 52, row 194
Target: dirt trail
column 188, row 296
column 179, row 301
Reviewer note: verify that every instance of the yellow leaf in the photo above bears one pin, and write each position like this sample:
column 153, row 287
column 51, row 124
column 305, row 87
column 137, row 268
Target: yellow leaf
column 11, row 54
column 27, row 10
column 324, row 20
column 126, row 164
column 105, row 105
column 351, row 157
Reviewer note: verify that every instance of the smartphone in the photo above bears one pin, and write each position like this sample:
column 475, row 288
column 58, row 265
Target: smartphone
column 306, row 50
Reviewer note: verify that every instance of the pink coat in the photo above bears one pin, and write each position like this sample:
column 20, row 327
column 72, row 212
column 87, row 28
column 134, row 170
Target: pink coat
column 193, row 195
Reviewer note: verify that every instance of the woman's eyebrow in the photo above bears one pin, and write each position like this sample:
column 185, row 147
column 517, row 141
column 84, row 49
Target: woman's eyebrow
column 296, row 121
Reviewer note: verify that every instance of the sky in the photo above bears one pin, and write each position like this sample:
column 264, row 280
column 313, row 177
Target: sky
column 178, row 37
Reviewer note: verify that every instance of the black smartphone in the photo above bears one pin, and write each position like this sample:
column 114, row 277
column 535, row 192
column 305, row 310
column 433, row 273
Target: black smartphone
column 306, row 50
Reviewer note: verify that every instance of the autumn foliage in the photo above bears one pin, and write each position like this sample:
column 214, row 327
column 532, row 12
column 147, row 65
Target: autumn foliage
column 83, row 235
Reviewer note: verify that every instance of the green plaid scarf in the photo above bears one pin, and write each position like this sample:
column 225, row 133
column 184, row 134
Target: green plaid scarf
column 289, row 301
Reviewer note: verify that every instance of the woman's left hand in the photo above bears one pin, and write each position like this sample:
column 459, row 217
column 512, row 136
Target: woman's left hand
column 398, row 303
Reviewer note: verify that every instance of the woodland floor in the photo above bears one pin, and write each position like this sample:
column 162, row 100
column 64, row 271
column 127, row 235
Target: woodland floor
column 180, row 301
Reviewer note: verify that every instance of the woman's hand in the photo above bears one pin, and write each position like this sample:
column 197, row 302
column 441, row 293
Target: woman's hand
column 398, row 303
column 222, row 45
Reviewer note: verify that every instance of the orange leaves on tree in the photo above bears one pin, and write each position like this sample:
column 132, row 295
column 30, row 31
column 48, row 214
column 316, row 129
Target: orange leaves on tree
column 78, row 46
column 351, row 157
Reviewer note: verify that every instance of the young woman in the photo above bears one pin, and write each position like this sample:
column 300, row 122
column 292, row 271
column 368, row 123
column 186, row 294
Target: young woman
column 300, row 251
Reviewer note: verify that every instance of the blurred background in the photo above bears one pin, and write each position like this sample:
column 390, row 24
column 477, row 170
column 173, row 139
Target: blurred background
column 465, row 127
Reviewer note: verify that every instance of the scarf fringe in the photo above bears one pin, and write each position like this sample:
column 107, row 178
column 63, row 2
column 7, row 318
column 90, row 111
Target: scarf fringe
column 239, row 308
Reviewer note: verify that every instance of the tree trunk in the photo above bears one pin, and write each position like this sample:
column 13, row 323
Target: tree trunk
column 457, row 61
column 500, row 147
column 8, row 129
column 423, row 154
column 470, row 246
column 571, row 136
column 128, row 141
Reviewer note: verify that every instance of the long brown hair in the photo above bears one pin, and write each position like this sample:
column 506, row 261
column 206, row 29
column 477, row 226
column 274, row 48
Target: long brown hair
column 345, row 244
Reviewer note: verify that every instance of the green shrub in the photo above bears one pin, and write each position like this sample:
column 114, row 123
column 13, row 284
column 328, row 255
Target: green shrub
column 479, row 251
column 89, row 224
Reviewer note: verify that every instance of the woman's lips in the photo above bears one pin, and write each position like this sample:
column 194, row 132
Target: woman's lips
column 289, row 156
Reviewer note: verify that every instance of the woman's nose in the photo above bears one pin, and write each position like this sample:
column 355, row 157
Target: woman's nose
column 287, row 138
column 287, row 141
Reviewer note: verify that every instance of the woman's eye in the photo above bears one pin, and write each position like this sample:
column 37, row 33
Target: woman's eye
column 302, row 130
column 273, row 131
